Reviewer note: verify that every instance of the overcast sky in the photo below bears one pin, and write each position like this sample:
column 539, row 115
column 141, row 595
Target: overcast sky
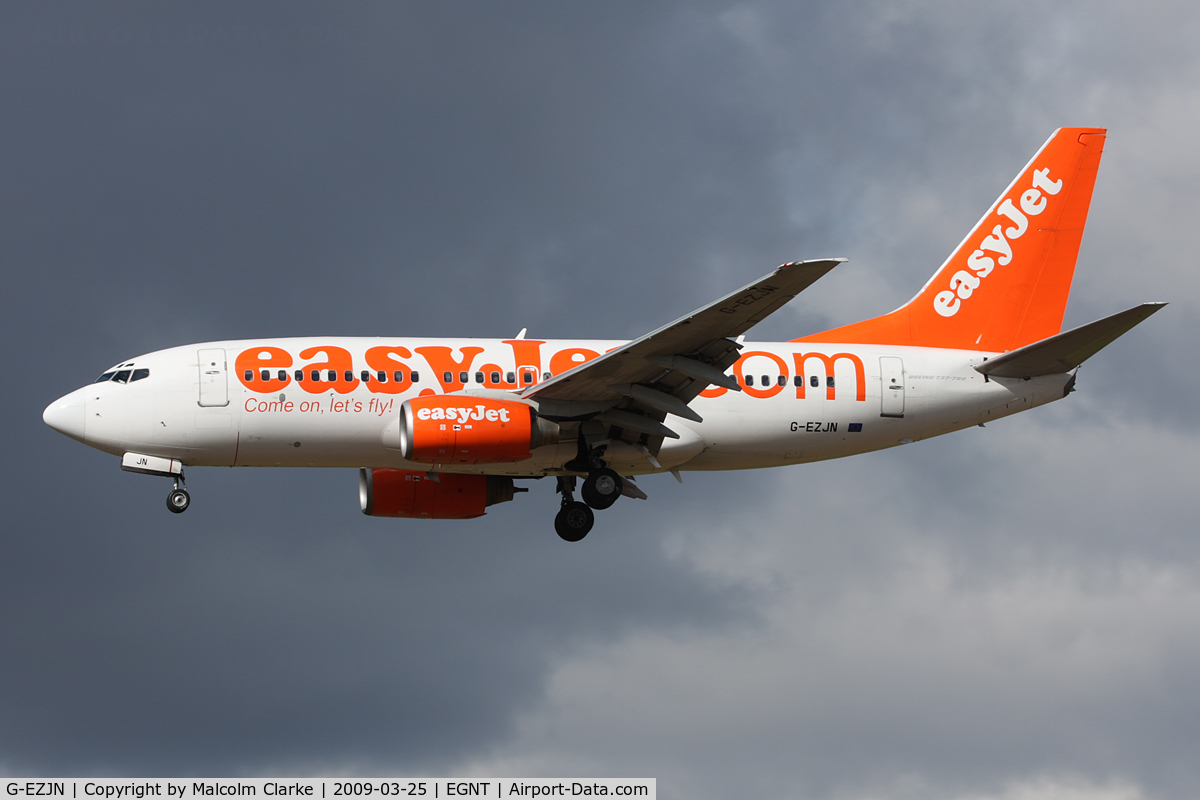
column 1009, row 613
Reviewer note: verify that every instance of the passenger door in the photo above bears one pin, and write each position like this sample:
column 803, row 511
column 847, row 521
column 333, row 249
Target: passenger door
column 891, row 377
column 214, row 380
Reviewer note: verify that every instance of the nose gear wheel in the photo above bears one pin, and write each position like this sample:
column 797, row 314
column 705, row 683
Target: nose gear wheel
column 178, row 500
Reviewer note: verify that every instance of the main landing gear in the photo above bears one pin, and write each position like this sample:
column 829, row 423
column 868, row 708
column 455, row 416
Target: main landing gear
column 574, row 519
column 179, row 499
column 601, row 488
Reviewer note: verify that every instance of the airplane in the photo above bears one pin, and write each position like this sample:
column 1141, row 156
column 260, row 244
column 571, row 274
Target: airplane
column 440, row 428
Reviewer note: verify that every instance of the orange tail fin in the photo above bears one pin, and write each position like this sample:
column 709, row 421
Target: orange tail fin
column 1007, row 283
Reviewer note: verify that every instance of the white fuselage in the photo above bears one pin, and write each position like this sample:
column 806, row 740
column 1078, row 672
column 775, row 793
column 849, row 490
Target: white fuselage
column 208, row 404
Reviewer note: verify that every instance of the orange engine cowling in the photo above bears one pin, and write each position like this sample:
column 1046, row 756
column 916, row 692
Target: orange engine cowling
column 406, row 493
column 460, row 429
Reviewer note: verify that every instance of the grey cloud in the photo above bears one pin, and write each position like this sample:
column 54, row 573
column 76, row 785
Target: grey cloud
column 176, row 174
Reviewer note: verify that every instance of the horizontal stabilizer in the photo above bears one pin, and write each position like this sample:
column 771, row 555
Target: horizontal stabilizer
column 1064, row 352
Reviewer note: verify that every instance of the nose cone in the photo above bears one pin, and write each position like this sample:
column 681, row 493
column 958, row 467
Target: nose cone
column 66, row 414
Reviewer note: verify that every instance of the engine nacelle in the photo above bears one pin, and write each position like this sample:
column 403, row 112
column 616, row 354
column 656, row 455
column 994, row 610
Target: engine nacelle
column 461, row 429
column 406, row 493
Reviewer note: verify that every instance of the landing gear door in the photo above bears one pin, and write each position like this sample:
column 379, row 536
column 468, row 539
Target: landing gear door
column 891, row 376
column 214, row 381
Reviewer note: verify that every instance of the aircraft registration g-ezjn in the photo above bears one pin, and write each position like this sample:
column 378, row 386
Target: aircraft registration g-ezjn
column 439, row 428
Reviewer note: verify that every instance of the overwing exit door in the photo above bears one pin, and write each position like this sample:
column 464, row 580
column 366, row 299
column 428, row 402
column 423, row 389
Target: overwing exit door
column 891, row 375
column 214, row 381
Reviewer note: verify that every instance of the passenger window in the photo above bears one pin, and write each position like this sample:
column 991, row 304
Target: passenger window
column 462, row 377
column 266, row 374
column 479, row 377
column 366, row 376
column 545, row 376
column 331, row 375
column 510, row 377
column 121, row 377
column 138, row 374
column 495, row 377
column 766, row 380
column 798, row 380
column 382, row 376
column 283, row 375
column 316, row 376
column 447, row 377
column 349, row 376
column 527, row 378
column 749, row 380
column 398, row 376
column 416, row 376
column 829, row 381
column 249, row 375
column 814, row 381
column 299, row 375
column 782, row 380
column 105, row 377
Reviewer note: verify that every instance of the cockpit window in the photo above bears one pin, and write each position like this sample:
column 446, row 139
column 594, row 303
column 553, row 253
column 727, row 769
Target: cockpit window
column 121, row 377
column 106, row 377
column 138, row 374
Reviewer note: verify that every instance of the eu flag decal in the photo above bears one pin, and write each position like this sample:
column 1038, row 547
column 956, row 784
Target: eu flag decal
column 856, row 427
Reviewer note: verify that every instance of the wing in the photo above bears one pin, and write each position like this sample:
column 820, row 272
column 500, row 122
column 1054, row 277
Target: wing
column 635, row 386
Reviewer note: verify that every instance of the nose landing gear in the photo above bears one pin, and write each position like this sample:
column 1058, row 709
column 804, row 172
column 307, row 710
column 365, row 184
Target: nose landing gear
column 178, row 500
